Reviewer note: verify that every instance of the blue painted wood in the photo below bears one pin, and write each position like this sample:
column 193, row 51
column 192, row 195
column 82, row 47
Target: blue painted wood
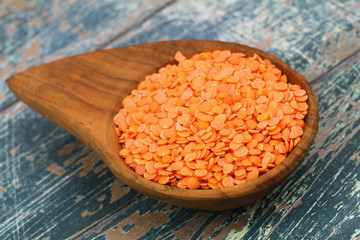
column 33, row 32
column 53, row 186
column 311, row 36
column 38, row 197
column 320, row 200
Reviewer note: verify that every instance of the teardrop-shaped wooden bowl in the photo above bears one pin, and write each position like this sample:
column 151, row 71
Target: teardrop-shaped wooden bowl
column 83, row 93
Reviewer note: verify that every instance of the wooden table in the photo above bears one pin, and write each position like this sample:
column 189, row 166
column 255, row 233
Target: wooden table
column 52, row 186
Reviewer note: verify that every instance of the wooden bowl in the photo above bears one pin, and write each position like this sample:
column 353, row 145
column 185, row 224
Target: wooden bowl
column 90, row 88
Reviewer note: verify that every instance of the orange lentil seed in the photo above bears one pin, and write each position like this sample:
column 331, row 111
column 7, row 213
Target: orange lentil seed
column 215, row 120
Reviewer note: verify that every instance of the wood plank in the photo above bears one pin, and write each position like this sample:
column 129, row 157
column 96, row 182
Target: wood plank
column 311, row 36
column 319, row 200
column 306, row 35
column 34, row 32
column 33, row 192
column 52, row 184
column 305, row 52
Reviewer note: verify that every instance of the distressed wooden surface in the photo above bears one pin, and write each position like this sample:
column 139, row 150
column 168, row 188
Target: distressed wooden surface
column 311, row 36
column 37, row 31
column 52, row 186
column 320, row 200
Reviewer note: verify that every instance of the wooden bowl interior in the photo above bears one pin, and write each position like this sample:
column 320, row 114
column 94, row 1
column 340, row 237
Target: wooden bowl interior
column 83, row 93
column 231, row 197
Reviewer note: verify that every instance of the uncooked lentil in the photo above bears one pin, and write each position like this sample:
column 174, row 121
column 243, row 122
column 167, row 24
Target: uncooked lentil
column 215, row 120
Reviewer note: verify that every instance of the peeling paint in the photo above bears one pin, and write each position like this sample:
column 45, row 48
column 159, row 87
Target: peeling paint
column 101, row 198
column 235, row 226
column 40, row 159
column 30, row 158
column 14, row 150
column 25, row 213
column 43, row 147
column 191, row 227
column 33, row 51
column 267, row 42
column 2, row 190
column 102, row 174
column 85, row 151
column 66, row 150
column 79, row 198
column 118, row 190
column 356, row 234
column 20, row 5
column 64, row 26
column 356, row 157
column 233, row 235
column 35, row 138
column 99, row 168
column 334, row 232
column 88, row 213
column 69, row 161
column 87, row 163
column 59, row 171
column 141, row 225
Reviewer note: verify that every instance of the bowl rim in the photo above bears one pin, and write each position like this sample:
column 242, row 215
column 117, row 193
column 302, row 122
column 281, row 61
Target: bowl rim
column 265, row 181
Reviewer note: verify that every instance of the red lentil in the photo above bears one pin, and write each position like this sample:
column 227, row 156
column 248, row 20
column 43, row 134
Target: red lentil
column 215, row 120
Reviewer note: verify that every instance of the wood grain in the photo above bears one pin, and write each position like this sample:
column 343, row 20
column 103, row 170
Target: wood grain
column 91, row 87
column 319, row 200
column 35, row 32
column 311, row 36
column 279, row 32
column 38, row 199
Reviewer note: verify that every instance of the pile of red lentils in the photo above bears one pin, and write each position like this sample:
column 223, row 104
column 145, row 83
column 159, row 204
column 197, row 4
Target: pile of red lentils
column 212, row 121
